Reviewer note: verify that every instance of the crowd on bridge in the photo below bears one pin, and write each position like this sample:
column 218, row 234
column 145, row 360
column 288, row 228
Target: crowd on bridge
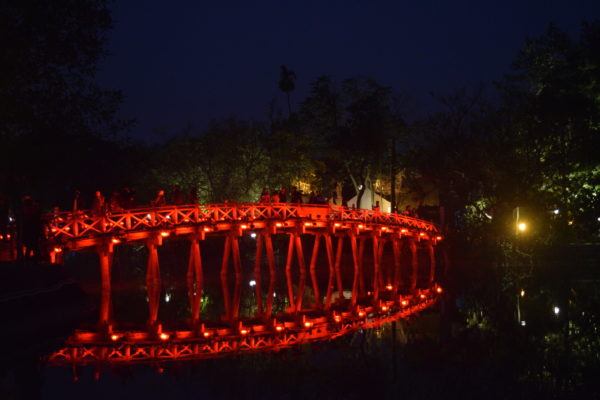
column 25, row 224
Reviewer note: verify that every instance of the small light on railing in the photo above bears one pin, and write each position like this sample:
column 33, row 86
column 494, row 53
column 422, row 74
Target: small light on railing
column 389, row 286
column 308, row 224
column 244, row 226
column 279, row 328
column 308, row 324
column 337, row 224
column 360, row 226
column 58, row 249
column 361, row 313
column 206, row 334
column 403, row 230
column 244, row 331
column 439, row 289
column 164, row 233
column 114, row 337
column 384, row 308
column 422, row 296
column 438, row 238
column 253, row 235
column 421, row 234
column 278, row 224
column 383, row 228
column 164, row 336
column 115, row 240
column 404, row 303
column 337, row 318
column 206, row 229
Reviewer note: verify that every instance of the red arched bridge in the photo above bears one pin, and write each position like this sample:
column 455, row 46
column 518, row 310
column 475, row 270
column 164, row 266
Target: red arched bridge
column 380, row 292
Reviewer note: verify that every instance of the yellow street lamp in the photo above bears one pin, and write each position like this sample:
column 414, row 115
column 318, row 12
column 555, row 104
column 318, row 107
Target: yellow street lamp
column 522, row 226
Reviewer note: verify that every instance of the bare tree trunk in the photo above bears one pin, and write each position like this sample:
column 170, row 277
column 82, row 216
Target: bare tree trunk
column 289, row 104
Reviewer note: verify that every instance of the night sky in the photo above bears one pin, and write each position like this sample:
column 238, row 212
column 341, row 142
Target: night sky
column 181, row 63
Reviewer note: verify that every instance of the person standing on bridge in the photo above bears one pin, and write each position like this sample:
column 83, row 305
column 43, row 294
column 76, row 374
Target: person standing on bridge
column 265, row 197
column 283, row 195
column 99, row 204
column 275, row 197
column 159, row 200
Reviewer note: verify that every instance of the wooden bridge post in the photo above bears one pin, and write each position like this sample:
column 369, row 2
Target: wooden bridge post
column 257, row 274
column 313, row 271
column 272, row 276
column 302, row 277
column 288, row 272
column 414, row 265
column 361, row 275
column 376, row 270
column 382, row 270
column 105, row 253
column 355, row 283
column 195, row 280
column 224, row 283
column 397, row 266
column 431, row 253
column 330, row 263
column 237, row 266
column 338, row 270
column 153, row 281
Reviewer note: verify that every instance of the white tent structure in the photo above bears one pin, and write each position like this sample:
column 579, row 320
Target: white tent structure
column 369, row 199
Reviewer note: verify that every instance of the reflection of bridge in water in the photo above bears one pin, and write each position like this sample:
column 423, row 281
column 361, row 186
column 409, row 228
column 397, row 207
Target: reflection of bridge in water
column 379, row 293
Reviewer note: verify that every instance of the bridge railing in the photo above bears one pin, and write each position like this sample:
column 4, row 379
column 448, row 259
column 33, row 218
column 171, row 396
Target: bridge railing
column 79, row 224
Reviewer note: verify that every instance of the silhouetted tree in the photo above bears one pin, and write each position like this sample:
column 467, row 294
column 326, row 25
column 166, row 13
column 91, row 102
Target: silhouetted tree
column 287, row 84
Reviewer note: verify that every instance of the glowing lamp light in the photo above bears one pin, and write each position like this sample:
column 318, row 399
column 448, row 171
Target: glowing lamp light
column 389, row 286
column 383, row 228
column 58, row 249
column 361, row 313
column 244, row 226
column 337, row 224
column 279, row 328
column 244, row 331
column 404, row 303
column 278, row 224
column 252, row 283
column 163, row 336
column 360, row 226
column 522, row 226
column 115, row 240
column 206, row 229
column 164, row 233
column 337, row 318
column 384, row 308
column 53, row 230
column 523, row 323
column 556, row 310
column 114, row 337
column 422, row 296
column 206, row 334
column 438, row 238
column 522, row 292
column 439, row 289
column 556, row 211
column 253, row 235
column 8, row 236
column 403, row 230
column 421, row 234
column 307, row 223
column 1, row 237
column 308, row 324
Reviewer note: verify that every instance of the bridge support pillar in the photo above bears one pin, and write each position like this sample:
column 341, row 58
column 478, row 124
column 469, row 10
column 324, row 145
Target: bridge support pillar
column 302, row 277
column 376, row 267
column 338, row 270
column 330, row 263
column 195, row 281
column 313, row 271
column 258, row 274
column 153, row 283
column 431, row 254
column 272, row 277
column 361, row 275
column 288, row 272
column 105, row 253
column 414, row 265
column 356, row 261
column 224, row 282
column 397, row 266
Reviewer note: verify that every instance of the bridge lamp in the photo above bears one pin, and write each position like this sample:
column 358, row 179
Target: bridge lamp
column 422, row 296
column 252, row 283
column 279, row 328
column 439, row 289
column 244, row 331
column 206, row 334
column 253, row 235
column 384, row 308
column 522, row 293
column 278, row 224
column 115, row 240
column 58, row 249
column 438, row 238
column 337, row 318
column 403, row 230
column 163, row 336
column 337, row 224
column 404, row 303
column 360, row 226
column 244, row 226
column 361, row 313
column 389, row 286
column 308, row 324
column 521, row 227
column 114, row 337
column 165, row 233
